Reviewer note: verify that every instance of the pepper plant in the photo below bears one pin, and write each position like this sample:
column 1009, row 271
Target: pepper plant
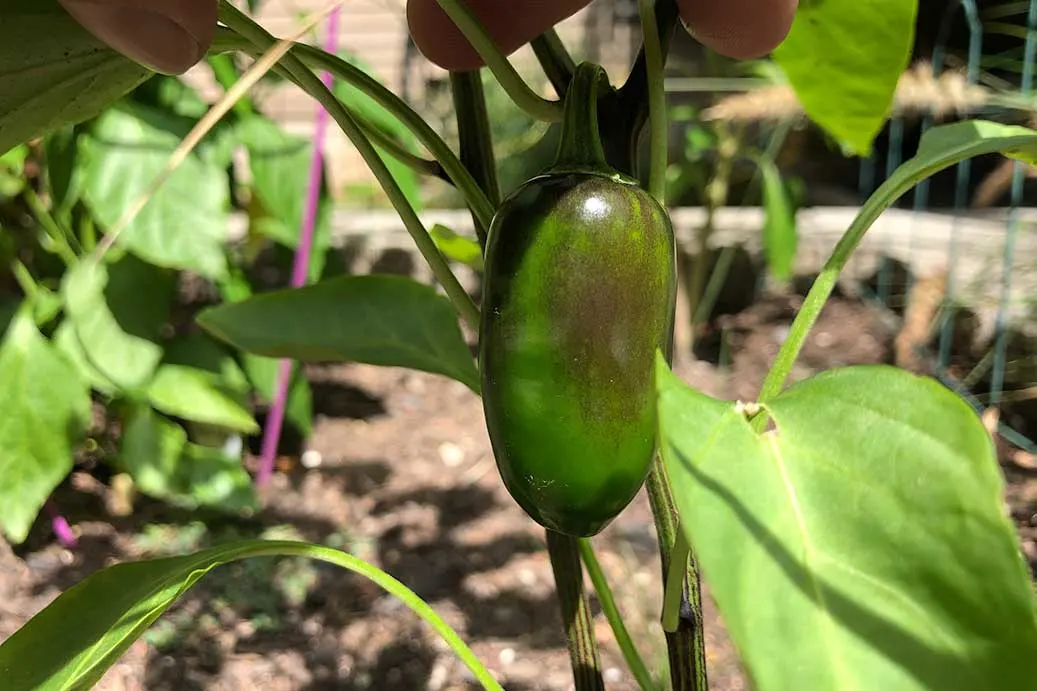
column 850, row 527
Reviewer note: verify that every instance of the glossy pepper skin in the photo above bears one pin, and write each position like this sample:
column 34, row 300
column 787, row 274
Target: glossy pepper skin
column 579, row 292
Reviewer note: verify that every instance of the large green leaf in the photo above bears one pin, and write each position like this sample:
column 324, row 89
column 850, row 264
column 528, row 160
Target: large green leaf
column 44, row 409
column 860, row 544
column 378, row 320
column 184, row 224
column 844, row 58
column 118, row 311
column 70, row 643
column 163, row 464
column 53, row 72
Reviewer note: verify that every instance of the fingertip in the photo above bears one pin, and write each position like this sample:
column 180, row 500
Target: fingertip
column 510, row 24
column 169, row 38
column 739, row 29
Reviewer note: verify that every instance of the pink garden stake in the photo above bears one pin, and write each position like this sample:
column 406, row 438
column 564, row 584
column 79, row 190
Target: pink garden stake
column 300, row 267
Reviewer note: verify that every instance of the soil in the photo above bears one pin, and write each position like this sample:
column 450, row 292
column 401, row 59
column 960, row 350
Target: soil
column 399, row 472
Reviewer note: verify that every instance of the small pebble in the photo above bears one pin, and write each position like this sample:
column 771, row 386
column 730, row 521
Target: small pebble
column 506, row 656
column 612, row 675
column 823, row 339
column 451, row 454
column 311, row 458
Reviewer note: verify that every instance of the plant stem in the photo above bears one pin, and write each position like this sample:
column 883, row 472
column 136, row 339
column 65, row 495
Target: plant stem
column 226, row 74
column 476, row 142
column 309, row 82
column 682, row 625
column 715, row 197
column 615, row 619
column 686, row 645
column 520, row 93
column 558, row 65
column 674, row 586
column 300, row 268
column 315, row 57
column 627, row 115
column 388, row 143
column 657, row 124
column 62, row 244
column 24, row 279
column 580, row 146
column 564, row 552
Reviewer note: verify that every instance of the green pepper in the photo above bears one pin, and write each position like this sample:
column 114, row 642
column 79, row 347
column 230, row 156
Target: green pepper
column 578, row 295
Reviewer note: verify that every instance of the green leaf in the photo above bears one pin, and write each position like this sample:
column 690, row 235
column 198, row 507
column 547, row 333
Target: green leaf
column 863, row 543
column 192, row 394
column 212, row 477
column 779, row 226
column 12, row 171
column 67, row 343
column 280, row 165
column 71, row 642
column 378, row 320
column 44, row 409
column 456, row 247
column 262, row 371
column 53, row 72
column 60, row 148
column 117, row 311
column 164, row 465
column 184, row 224
column 844, row 58
column 150, row 450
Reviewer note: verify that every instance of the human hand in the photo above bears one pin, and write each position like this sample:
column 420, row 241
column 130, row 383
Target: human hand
column 740, row 29
column 172, row 36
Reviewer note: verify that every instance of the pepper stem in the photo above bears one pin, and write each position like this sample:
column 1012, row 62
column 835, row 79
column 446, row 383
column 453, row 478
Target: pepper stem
column 580, row 147
column 583, row 648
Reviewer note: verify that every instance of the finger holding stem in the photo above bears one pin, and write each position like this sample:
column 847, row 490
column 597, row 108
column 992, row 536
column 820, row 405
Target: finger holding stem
column 509, row 79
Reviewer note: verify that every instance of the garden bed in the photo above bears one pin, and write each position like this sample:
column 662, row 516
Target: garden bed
column 399, row 472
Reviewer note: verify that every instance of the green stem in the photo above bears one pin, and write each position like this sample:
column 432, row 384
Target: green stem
column 674, row 586
column 520, row 93
column 558, row 65
column 564, row 552
column 580, row 146
column 657, row 124
column 615, row 619
column 686, row 646
column 87, row 232
column 226, row 74
column 62, row 244
column 386, row 142
column 716, row 194
column 24, row 279
column 319, row 59
column 476, row 142
column 309, row 83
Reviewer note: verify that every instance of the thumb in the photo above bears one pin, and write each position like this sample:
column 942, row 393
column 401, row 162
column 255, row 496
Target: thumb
column 167, row 37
